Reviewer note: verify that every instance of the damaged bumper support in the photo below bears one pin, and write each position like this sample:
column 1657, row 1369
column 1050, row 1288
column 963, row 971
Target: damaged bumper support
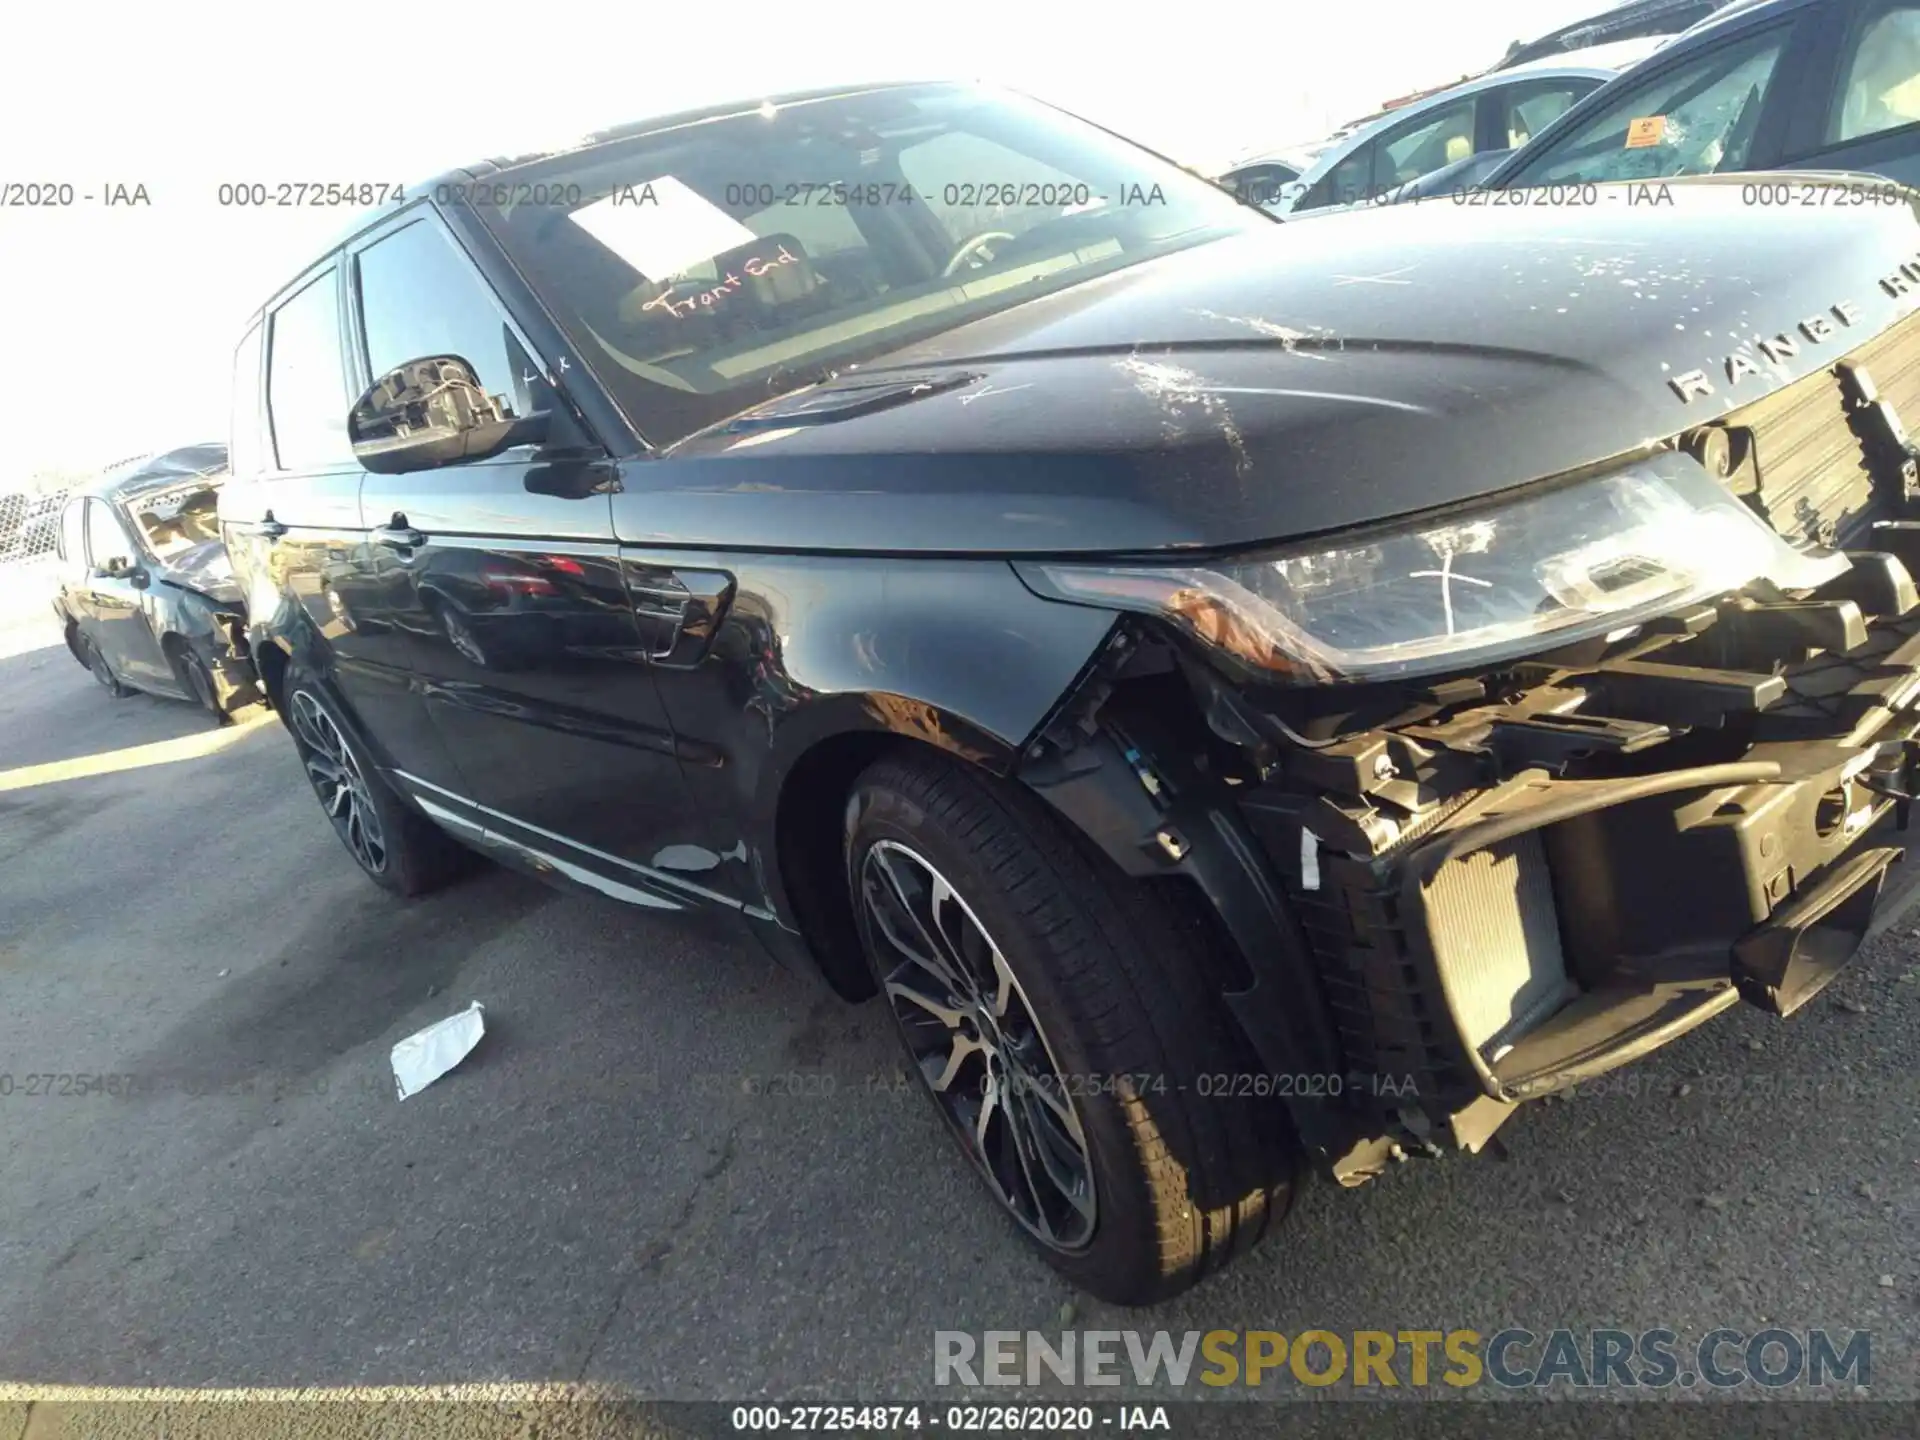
column 1525, row 878
column 236, row 683
column 1502, row 942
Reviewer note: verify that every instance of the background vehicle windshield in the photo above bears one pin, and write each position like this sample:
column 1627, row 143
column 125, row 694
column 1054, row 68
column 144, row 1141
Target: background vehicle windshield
column 704, row 268
column 1694, row 118
column 175, row 521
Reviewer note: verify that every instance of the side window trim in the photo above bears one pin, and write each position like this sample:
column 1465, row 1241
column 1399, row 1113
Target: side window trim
column 329, row 265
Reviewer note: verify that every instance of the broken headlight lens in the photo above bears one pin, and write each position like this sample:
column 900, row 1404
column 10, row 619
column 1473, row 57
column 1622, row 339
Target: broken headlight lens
column 1476, row 586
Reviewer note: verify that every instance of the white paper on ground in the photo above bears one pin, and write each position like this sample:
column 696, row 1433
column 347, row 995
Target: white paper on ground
column 424, row 1056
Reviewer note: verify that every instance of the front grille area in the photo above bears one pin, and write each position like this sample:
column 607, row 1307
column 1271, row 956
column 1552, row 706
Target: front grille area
column 1799, row 456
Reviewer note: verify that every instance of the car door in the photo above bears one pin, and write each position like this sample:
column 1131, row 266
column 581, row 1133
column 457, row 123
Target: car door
column 1861, row 110
column 500, row 592
column 116, row 585
column 305, row 506
column 71, row 550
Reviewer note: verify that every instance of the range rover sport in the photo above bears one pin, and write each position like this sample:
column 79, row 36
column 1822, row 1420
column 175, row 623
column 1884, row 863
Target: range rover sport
column 1249, row 699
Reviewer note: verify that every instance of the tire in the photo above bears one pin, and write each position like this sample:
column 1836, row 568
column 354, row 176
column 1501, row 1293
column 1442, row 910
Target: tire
column 1085, row 1024
column 102, row 669
column 197, row 680
column 395, row 846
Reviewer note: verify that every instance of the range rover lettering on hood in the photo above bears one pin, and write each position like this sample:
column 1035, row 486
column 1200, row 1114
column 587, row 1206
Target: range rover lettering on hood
column 1816, row 329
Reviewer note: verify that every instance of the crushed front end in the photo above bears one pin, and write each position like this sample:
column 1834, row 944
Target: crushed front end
column 1496, row 880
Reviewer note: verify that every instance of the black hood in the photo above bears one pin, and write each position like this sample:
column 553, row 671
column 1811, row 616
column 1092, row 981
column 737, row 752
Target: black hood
column 1301, row 379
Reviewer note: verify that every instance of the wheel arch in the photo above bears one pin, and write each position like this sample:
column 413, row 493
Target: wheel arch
column 807, row 815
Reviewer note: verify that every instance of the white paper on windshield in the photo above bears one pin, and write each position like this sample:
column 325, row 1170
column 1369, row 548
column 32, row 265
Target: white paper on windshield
column 661, row 227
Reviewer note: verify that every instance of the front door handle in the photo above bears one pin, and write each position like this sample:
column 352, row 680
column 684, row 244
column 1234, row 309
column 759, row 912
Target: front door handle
column 267, row 528
column 399, row 534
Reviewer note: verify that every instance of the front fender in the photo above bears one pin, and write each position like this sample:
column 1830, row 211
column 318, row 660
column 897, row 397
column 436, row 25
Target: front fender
column 816, row 653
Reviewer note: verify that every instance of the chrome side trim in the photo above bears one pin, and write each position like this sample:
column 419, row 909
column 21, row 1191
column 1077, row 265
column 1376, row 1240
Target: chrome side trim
column 670, row 881
column 447, row 817
column 541, row 860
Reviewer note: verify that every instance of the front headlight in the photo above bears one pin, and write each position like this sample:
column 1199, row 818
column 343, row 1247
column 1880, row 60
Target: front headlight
column 1475, row 586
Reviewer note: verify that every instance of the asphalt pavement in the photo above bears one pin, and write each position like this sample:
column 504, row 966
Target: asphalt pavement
column 673, row 1167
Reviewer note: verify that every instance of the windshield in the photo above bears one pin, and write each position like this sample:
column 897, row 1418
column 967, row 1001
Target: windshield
column 1696, row 117
column 704, row 268
column 173, row 522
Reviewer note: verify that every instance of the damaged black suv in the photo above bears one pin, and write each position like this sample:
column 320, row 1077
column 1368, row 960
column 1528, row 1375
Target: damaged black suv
column 1247, row 698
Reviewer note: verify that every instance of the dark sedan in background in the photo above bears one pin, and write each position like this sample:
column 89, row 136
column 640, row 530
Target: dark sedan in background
column 1763, row 85
column 147, row 599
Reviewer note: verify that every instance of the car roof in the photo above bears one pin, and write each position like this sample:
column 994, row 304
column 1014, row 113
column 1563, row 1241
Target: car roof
column 1653, row 17
column 130, row 479
column 1735, row 11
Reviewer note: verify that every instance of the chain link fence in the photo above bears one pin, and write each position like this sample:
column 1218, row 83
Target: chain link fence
column 29, row 569
column 30, row 526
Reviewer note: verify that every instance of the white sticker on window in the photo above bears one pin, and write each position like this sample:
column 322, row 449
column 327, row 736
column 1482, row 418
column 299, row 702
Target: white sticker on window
column 1309, row 859
column 662, row 227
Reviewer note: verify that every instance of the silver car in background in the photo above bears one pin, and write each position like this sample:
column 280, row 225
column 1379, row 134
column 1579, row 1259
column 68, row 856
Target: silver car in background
column 1497, row 111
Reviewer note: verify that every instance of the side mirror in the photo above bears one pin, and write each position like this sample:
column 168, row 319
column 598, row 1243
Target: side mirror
column 432, row 412
column 120, row 567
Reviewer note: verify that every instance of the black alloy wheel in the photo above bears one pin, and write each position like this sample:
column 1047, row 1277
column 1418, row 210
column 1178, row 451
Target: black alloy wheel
column 978, row 1045
column 395, row 846
column 1061, row 1017
column 340, row 782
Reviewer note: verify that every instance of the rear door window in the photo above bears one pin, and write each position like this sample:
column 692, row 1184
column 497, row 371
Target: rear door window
column 1697, row 117
column 1435, row 139
column 307, row 399
column 1526, row 110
